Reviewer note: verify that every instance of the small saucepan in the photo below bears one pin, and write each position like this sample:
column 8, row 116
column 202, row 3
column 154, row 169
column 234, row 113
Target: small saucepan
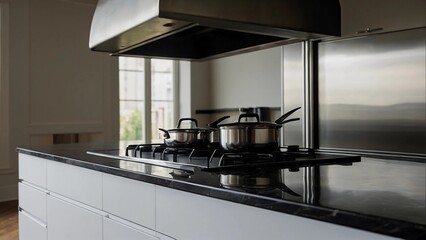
column 184, row 137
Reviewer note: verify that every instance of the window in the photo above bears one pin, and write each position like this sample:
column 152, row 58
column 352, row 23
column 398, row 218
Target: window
column 147, row 98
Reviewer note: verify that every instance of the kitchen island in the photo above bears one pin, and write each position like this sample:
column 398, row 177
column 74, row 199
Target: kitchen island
column 372, row 199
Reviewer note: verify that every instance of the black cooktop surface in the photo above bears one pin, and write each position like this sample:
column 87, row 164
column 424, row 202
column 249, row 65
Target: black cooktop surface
column 217, row 160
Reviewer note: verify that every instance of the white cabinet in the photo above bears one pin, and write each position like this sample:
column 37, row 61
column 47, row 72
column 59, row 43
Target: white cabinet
column 33, row 201
column 381, row 16
column 70, row 222
column 82, row 204
column 32, row 198
column 114, row 230
column 62, row 201
column 31, row 228
column 80, row 184
column 189, row 216
column 130, row 199
column 42, row 216
column 32, row 169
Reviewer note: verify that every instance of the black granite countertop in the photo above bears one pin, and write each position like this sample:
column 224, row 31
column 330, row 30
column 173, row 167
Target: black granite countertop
column 377, row 195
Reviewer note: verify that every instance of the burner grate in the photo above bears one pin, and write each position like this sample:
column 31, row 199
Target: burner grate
column 219, row 160
column 138, row 150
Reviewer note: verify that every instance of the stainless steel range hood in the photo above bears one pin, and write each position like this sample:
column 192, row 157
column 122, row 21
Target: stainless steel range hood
column 206, row 29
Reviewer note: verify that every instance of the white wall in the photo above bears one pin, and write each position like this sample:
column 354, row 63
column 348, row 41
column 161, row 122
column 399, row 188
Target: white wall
column 56, row 84
column 247, row 80
column 195, row 90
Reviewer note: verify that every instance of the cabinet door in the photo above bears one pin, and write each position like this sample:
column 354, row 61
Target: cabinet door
column 32, row 169
column 381, row 16
column 129, row 199
column 33, row 201
column 30, row 228
column 189, row 216
column 70, row 222
column 114, row 230
column 77, row 183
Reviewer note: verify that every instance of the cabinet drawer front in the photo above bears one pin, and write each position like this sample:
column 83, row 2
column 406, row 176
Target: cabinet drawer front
column 30, row 229
column 70, row 222
column 33, row 201
column 184, row 215
column 32, row 169
column 77, row 183
column 114, row 230
column 164, row 237
column 129, row 199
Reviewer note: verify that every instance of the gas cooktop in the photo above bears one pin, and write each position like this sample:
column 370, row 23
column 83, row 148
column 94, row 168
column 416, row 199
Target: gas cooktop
column 221, row 161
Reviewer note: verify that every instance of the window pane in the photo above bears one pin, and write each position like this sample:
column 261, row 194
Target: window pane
column 131, row 120
column 132, row 98
column 132, row 81
column 161, row 97
column 132, row 85
column 129, row 63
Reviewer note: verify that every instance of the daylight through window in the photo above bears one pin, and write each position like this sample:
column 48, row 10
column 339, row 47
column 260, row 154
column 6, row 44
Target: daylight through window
column 146, row 96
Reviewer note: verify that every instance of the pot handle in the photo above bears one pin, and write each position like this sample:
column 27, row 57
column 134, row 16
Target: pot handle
column 215, row 123
column 166, row 133
column 290, row 120
column 187, row 119
column 248, row 115
column 281, row 119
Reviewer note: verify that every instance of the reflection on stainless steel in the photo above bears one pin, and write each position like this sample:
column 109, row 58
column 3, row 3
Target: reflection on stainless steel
column 372, row 93
column 311, row 185
column 293, row 91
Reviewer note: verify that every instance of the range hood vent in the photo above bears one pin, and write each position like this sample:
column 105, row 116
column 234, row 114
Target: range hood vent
column 207, row 29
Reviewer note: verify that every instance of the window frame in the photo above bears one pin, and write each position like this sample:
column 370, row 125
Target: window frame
column 147, row 103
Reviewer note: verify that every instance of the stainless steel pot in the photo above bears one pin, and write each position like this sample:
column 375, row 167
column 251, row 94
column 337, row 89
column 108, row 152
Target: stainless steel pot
column 214, row 136
column 253, row 136
column 184, row 137
column 249, row 136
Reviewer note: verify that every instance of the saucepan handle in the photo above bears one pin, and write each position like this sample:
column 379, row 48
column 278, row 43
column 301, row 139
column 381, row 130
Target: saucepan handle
column 286, row 115
column 187, row 119
column 215, row 123
column 290, row 120
column 248, row 115
column 166, row 133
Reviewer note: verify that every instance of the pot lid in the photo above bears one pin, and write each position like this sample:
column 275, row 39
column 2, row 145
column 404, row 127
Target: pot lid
column 195, row 130
column 193, row 127
column 252, row 124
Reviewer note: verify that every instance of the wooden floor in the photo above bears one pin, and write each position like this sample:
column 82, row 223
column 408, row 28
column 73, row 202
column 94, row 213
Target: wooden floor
column 9, row 220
